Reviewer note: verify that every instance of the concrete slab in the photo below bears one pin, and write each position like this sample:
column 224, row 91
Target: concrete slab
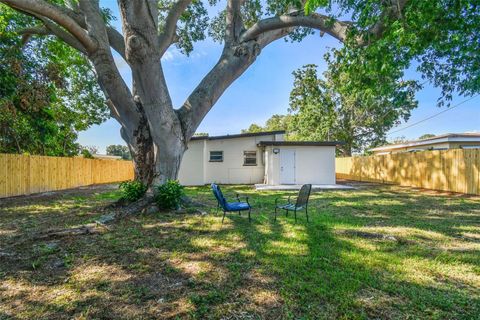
column 264, row 187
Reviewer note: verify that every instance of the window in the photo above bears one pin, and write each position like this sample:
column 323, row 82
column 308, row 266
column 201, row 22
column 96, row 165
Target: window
column 249, row 158
column 216, row 156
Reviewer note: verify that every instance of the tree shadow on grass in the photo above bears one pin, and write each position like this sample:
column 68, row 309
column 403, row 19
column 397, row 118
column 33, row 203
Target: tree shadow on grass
column 167, row 266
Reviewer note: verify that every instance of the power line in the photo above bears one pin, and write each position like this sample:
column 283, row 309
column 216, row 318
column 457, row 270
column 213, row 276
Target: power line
column 434, row 115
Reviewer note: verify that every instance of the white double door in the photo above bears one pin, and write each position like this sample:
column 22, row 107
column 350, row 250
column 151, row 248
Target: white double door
column 287, row 166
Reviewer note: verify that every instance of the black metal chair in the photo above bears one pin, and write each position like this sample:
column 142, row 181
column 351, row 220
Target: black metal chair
column 300, row 204
column 230, row 206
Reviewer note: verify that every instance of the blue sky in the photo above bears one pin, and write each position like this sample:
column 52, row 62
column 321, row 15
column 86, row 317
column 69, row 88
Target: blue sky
column 263, row 90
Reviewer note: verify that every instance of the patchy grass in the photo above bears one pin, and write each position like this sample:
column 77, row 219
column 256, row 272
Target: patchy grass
column 378, row 252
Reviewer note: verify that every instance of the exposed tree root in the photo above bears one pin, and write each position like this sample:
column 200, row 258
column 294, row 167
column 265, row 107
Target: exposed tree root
column 117, row 211
column 91, row 228
column 136, row 207
column 189, row 202
column 115, row 205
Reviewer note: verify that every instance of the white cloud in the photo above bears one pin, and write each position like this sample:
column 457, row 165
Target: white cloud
column 173, row 55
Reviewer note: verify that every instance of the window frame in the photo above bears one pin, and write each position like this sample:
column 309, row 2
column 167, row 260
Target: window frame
column 245, row 157
column 213, row 151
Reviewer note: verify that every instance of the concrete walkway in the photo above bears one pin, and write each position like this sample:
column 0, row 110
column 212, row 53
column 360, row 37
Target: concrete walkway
column 264, row 187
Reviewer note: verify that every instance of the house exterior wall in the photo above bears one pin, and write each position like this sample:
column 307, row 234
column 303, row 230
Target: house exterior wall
column 313, row 164
column 456, row 145
column 444, row 145
column 192, row 168
column 232, row 170
column 196, row 168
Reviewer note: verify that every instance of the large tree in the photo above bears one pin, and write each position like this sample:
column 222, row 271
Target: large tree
column 156, row 131
column 326, row 108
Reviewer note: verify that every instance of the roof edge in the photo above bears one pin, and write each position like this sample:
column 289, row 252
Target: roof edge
column 301, row 143
column 449, row 137
column 239, row 135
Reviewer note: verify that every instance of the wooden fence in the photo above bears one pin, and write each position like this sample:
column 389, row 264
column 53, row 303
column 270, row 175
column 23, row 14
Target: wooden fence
column 456, row 170
column 21, row 175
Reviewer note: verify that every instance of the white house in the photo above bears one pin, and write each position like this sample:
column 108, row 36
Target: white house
column 257, row 158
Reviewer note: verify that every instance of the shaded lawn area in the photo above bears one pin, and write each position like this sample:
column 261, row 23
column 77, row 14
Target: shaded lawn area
column 380, row 252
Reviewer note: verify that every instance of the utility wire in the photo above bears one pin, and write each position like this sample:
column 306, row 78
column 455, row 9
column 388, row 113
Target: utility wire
column 434, row 115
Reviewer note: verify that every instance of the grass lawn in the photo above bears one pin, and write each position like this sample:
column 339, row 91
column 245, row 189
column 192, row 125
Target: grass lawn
column 378, row 252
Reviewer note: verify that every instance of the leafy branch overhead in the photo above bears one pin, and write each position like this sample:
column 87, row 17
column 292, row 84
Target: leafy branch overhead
column 48, row 91
column 439, row 38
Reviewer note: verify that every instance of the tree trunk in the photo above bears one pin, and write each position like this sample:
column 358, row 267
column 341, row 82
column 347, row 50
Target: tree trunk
column 157, row 148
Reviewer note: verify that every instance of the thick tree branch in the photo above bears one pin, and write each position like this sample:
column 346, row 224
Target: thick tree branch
column 63, row 35
column 54, row 13
column 94, row 21
column 337, row 29
column 232, row 63
column 121, row 103
column 140, row 29
column 115, row 38
column 116, row 41
column 27, row 33
column 139, row 23
column 167, row 36
column 234, row 22
column 268, row 29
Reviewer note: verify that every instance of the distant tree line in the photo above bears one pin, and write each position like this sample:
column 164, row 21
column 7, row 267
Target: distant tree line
column 119, row 151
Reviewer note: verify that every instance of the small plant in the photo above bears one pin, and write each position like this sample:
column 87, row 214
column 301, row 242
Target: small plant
column 132, row 190
column 169, row 195
column 86, row 154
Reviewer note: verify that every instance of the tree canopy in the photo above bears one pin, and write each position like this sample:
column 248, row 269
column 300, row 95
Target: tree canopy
column 437, row 38
column 326, row 108
column 48, row 92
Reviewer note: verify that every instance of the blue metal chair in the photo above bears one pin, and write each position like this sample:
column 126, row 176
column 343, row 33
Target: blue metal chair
column 231, row 206
column 300, row 204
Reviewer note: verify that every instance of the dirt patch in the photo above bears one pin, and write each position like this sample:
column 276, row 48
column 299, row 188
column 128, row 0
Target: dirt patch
column 367, row 235
column 43, row 197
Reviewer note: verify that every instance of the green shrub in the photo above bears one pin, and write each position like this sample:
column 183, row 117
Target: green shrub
column 169, row 195
column 133, row 190
column 86, row 154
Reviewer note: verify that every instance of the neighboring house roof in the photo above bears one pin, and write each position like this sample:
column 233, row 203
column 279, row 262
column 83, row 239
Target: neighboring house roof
column 106, row 156
column 300, row 143
column 241, row 135
column 449, row 137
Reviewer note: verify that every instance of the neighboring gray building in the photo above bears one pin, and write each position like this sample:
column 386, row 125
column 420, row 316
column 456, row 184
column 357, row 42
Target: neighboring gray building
column 440, row 142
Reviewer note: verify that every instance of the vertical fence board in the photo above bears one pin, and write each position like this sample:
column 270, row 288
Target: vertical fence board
column 23, row 174
column 456, row 170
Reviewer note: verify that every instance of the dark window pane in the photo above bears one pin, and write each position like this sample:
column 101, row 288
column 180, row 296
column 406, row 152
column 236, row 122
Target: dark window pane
column 250, row 158
column 216, row 156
